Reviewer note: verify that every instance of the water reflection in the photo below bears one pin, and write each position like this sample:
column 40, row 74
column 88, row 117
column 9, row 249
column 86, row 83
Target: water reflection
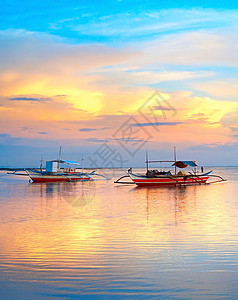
column 81, row 238
column 167, row 203
column 76, row 194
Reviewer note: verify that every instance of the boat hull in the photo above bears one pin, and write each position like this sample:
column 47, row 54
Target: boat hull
column 38, row 177
column 168, row 180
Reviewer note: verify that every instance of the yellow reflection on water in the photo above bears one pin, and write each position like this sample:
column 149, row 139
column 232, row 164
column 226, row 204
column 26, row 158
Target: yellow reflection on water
column 96, row 224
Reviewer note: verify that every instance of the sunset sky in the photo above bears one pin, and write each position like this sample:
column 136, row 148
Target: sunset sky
column 111, row 79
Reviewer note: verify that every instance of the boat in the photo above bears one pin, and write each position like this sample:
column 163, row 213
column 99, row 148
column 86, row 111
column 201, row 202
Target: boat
column 156, row 178
column 54, row 173
column 170, row 178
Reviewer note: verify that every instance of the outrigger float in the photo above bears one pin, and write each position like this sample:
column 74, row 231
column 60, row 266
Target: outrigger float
column 167, row 178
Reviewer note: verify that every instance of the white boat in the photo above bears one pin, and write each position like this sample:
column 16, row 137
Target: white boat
column 54, row 173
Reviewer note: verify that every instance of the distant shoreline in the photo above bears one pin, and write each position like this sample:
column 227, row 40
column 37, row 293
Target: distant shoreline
column 16, row 169
column 32, row 168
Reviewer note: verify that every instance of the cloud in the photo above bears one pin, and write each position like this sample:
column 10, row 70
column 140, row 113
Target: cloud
column 116, row 140
column 32, row 130
column 157, row 124
column 25, row 128
column 230, row 118
column 93, row 129
column 221, row 89
column 86, row 103
column 23, row 99
column 96, row 140
column 35, row 52
column 130, row 140
column 8, row 139
column 33, row 99
column 151, row 22
column 4, row 136
column 234, row 129
column 86, row 129
column 93, row 71
column 227, row 147
column 147, row 77
column 192, row 48
column 163, row 108
column 105, row 128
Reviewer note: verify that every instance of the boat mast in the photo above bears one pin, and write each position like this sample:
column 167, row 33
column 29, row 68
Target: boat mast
column 175, row 169
column 82, row 163
column 41, row 163
column 59, row 158
column 147, row 162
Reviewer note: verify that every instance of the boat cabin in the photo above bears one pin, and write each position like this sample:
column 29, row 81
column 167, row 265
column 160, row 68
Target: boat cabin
column 51, row 166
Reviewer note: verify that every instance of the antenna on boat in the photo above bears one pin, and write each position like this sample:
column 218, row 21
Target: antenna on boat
column 82, row 162
column 175, row 170
column 41, row 160
column 60, row 149
column 146, row 160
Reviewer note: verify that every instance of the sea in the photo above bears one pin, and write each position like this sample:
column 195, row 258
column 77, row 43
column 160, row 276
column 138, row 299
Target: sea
column 101, row 240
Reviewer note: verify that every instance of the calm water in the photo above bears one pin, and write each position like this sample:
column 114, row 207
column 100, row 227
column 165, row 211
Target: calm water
column 100, row 240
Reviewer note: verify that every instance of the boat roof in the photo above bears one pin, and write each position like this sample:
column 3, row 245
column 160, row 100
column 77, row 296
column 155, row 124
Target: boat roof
column 61, row 161
column 184, row 163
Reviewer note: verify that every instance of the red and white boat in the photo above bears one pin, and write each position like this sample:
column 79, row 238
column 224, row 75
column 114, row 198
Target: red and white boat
column 170, row 178
column 55, row 177
column 54, row 173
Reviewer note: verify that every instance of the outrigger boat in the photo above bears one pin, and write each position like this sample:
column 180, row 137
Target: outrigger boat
column 167, row 178
column 54, row 173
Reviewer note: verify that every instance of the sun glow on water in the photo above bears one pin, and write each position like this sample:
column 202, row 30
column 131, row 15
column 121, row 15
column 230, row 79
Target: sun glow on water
column 88, row 238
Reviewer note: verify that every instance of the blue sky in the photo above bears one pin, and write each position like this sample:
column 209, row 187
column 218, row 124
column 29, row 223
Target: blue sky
column 97, row 20
column 72, row 72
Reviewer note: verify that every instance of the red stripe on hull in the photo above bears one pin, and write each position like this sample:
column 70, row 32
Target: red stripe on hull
column 169, row 182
